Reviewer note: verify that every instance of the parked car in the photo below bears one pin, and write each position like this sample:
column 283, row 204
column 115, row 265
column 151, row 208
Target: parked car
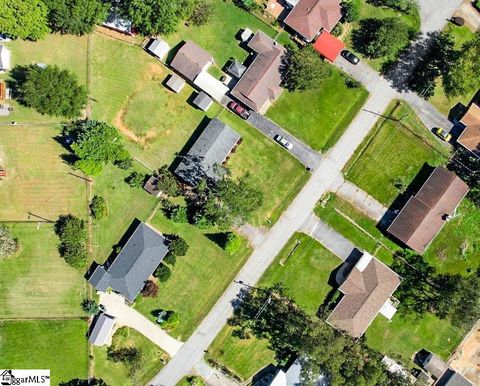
column 282, row 141
column 239, row 109
column 445, row 135
column 350, row 57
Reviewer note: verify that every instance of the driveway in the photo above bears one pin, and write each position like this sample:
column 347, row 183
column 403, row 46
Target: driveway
column 305, row 154
column 127, row 316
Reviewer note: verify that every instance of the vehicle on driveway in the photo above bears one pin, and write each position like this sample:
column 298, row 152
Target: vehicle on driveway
column 443, row 134
column 282, row 141
column 239, row 109
column 349, row 56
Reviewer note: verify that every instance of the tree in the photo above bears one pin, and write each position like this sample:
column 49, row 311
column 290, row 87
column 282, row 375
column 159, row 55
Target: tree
column 170, row 259
column 202, row 12
column 77, row 17
column 98, row 207
column 177, row 245
column 8, row 244
column 129, row 356
column 150, row 290
column 179, row 214
column 350, row 10
column 405, row 6
column 50, row 90
column 84, row 382
column 95, row 144
column 464, row 305
column 153, row 17
column 24, row 19
column 166, row 182
column 72, row 233
column 467, row 167
column 305, row 69
column 249, row 5
column 377, row 38
column 90, row 306
column 462, row 75
column 135, row 180
column 233, row 243
column 163, row 273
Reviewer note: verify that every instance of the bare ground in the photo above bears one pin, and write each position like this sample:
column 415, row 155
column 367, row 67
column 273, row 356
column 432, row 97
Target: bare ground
column 466, row 360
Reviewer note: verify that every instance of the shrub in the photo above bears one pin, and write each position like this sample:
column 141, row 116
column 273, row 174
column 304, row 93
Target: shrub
column 129, row 356
column 172, row 321
column 124, row 164
column 179, row 214
column 352, row 83
column 177, row 245
column 202, row 12
column 98, row 207
column 350, row 10
column 8, row 244
column 163, row 273
column 90, row 306
column 150, row 290
column 233, row 243
column 170, row 259
column 72, row 233
column 337, row 30
column 135, row 180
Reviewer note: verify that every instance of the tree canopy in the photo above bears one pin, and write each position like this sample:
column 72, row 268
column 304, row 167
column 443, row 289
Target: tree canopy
column 24, row 19
column 77, row 17
column 177, row 245
column 152, row 17
column 304, row 69
column 84, row 382
column 8, row 244
column 166, row 182
column 98, row 207
column 72, row 233
column 95, row 144
column 50, row 90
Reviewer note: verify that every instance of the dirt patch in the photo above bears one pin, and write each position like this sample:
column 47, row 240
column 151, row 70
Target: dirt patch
column 466, row 359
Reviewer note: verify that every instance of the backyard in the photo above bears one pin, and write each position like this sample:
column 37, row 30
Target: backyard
column 402, row 145
column 315, row 116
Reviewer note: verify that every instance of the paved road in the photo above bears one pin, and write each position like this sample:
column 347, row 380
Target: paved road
column 305, row 154
column 128, row 316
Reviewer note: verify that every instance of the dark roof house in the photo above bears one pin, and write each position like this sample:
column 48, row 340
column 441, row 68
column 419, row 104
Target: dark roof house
column 308, row 17
column 424, row 215
column 137, row 260
column 211, row 148
column 452, row 378
column 439, row 370
column 260, row 84
column 190, row 60
column 102, row 330
column 366, row 289
column 470, row 136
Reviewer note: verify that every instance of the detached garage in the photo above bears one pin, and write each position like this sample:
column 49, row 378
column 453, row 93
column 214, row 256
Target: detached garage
column 328, row 46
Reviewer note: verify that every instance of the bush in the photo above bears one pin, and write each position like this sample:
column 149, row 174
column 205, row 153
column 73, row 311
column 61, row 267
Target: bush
column 172, row 321
column 202, row 12
column 405, row 6
column 135, row 180
column 179, row 214
column 98, row 208
column 233, row 243
column 337, row 30
column 8, row 244
column 72, row 233
column 150, row 290
column 129, row 356
column 352, row 83
column 177, row 245
column 124, row 164
column 162, row 273
column 90, row 306
column 350, row 10
column 170, row 259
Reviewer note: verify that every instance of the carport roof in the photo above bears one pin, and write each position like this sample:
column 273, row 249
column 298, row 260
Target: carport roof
column 328, row 46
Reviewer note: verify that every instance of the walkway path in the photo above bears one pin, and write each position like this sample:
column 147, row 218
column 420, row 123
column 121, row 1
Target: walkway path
column 128, row 316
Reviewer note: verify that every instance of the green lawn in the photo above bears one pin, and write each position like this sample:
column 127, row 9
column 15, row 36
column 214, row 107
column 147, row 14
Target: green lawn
column 319, row 117
column 394, row 152
column 405, row 335
column 342, row 216
column 37, row 282
column 60, row 346
column 198, row 279
column 117, row 373
column 218, row 36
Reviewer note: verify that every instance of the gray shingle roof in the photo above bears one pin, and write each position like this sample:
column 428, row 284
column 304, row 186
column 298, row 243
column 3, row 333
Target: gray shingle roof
column 452, row 378
column 236, row 69
column 137, row 260
column 203, row 101
column 101, row 330
column 211, row 148
column 175, row 83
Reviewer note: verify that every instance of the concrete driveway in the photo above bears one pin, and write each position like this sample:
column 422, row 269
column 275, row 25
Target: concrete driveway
column 128, row 316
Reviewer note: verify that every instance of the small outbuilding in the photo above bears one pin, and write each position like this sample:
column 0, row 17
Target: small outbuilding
column 101, row 332
column 4, row 58
column 328, row 46
column 246, row 35
column 175, row 83
column 203, row 101
column 158, row 48
column 236, row 69
column 151, row 186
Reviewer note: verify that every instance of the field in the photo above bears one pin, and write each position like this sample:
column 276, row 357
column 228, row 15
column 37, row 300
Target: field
column 197, row 280
column 117, row 373
column 315, row 116
column 402, row 145
column 35, row 345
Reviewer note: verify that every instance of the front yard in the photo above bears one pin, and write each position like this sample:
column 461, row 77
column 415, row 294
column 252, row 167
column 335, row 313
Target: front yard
column 319, row 117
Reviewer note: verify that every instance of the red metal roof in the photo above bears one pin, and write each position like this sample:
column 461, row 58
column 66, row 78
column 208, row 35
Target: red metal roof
column 328, row 46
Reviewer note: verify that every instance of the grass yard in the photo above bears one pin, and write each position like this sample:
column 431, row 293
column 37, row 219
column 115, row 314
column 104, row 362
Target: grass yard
column 117, row 373
column 319, row 117
column 37, row 282
column 276, row 173
column 340, row 215
column 405, row 335
column 218, row 36
column 198, row 279
column 35, row 345
column 245, row 357
column 38, row 181
column 400, row 149
column 456, row 249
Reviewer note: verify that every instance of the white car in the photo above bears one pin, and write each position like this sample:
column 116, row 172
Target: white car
column 282, row 141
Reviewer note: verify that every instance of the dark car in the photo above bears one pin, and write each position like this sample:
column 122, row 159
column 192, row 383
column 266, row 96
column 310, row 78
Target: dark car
column 239, row 109
column 350, row 57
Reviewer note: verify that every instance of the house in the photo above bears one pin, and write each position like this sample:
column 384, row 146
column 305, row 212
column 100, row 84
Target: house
column 158, row 48
column 190, row 60
column 101, row 332
column 210, row 150
column 117, row 23
column 470, row 136
column 131, row 268
column 367, row 288
column 328, row 46
column 203, row 101
column 309, row 17
column 292, row 377
column 175, row 83
column 424, row 214
column 4, row 58
column 442, row 374
column 260, row 84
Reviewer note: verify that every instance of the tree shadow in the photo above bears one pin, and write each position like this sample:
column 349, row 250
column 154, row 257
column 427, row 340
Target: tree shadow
column 220, row 238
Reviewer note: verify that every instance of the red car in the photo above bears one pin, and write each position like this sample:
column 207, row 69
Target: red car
column 239, row 109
